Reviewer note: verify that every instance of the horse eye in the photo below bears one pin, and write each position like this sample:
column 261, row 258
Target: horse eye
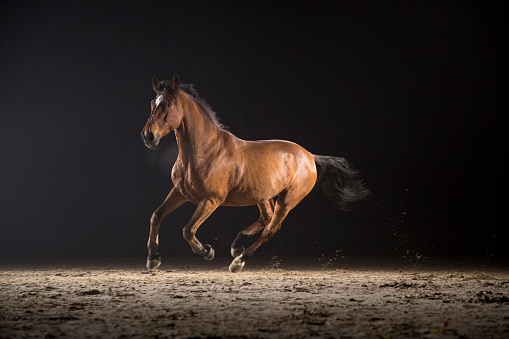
column 169, row 104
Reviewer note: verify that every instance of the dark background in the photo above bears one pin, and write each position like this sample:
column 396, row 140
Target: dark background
column 411, row 93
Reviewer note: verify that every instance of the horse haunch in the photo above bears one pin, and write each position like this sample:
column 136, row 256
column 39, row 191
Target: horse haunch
column 267, row 168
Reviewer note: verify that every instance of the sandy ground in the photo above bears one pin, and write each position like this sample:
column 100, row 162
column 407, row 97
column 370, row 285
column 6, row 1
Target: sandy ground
column 271, row 298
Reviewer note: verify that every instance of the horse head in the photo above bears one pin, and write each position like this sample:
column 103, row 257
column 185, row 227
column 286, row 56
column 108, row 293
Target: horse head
column 166, row 112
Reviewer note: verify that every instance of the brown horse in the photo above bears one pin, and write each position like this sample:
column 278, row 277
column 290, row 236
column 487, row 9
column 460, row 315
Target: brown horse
column 215, row 168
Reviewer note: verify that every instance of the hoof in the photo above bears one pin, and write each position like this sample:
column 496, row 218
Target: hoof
column 154, row 263
column 237, row 251
column 237, row 264
column 210, row 254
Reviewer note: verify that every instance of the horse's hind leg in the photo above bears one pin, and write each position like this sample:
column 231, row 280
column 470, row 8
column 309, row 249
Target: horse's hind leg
column 172, row 201
column 280, row 213
column 266, row 214
column 287, row 200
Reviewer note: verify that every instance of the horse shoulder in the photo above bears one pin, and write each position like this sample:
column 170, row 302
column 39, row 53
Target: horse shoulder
column 177, row 175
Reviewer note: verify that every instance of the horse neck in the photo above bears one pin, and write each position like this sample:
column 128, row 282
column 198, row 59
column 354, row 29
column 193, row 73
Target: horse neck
column 198, row 134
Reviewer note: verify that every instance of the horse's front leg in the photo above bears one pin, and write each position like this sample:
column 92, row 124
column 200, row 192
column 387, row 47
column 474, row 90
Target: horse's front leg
column 202, row 212
column 172, row 201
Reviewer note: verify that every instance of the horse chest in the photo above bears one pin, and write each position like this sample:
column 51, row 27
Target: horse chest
column 197, row 184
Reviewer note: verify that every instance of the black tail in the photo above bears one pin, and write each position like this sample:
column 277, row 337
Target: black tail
column 339, row 180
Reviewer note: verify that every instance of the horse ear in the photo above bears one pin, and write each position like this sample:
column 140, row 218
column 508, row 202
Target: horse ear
column 175, row 83
column 156, row 84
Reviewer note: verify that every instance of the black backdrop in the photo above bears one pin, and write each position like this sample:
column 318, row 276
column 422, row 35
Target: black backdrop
column 411, row 93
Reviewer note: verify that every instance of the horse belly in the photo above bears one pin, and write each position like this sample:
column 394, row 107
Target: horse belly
column 261, row 182
column 248, row 196
column 240, row 198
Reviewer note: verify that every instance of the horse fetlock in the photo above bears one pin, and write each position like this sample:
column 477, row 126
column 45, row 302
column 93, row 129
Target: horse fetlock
column 239, row 240
column 237, row 251
column 237, row 264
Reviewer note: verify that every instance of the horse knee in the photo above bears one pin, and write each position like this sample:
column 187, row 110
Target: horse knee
column 156, row 218
column 187, row 234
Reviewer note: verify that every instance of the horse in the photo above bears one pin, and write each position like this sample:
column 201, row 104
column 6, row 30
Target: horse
column 215, row 168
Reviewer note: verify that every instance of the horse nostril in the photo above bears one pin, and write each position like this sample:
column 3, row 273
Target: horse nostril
column 150, row 137
column 147, row 137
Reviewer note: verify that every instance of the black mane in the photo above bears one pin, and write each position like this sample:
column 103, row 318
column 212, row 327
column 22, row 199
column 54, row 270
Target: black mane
column 189, row 89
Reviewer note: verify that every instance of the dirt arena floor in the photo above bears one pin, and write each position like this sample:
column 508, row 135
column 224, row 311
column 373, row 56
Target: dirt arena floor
column 270, row 298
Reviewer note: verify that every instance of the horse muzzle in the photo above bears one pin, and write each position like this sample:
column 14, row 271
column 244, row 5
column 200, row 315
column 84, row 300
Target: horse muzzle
column 150, row 140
